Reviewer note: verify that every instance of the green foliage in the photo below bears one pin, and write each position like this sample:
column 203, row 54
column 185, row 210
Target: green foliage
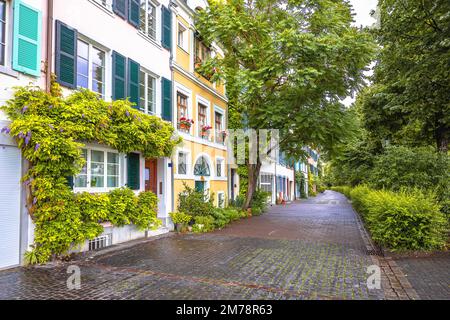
column 398, row 167
column 145, row 215
column 404, row 220
column 311, row 184
column 203, row 224
column 94, row 207
column 288, row 69
column 123, row 203
column 51, row 130
column 181, row 218
column 195, row 203
column 411, row 77
column 260, row 202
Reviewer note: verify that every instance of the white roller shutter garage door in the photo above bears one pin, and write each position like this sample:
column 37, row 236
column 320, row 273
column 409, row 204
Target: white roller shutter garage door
column 10, row 174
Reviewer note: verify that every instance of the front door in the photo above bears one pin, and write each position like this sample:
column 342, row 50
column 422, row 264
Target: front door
column 200, row 186
column 151, row 176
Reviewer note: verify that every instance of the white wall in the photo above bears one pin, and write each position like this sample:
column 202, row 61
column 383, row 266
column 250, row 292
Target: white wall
column 111, row 32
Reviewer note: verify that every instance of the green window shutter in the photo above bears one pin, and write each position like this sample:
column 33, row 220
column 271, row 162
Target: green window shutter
column 166, row 89
column 133, row 82
column 27, row 39
column 66, row 55
column 120, row 7
column 133, row 12
column 70, row 181
column 166, row 28
column 133, row 171
column 119, row 71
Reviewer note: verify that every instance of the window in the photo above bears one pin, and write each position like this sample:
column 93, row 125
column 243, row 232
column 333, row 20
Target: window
column 202, row 168
column 105, row 3
column 182, row 163
column 203, row 121
column 147, row 92
column 90, row 68
column 202, row 52
column 221, row 199
column 266, row 182
column 220, row 133
column 182, row 109
column 219, row 168
column 2, row 32
column 148, row 18
column 102, row 170
column 182, row 35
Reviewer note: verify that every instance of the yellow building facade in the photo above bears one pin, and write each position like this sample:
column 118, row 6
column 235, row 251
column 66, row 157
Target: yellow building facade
column 200, row 113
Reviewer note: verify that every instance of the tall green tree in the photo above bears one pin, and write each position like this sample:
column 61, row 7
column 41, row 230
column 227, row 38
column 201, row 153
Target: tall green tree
column 287, row 66
column 411, row 93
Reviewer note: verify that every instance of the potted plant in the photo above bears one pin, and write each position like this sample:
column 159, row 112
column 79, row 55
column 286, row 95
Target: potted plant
column 181, row 220
column 205, row 130
column 185, row 123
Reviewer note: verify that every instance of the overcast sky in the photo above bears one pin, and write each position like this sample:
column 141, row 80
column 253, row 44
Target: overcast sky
column 362, row 8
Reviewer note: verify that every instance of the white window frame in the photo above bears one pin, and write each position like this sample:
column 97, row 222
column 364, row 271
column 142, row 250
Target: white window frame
column 6, row 32
column 224, row 124
column 154, row 35
column 189, row 169
column 179, row 88
column 184, row 37
column 207, row 103
column 107, row 4
column 155, row 91
column 92, row 45
column 222, row 172
column 105, row 187
column 221, row 193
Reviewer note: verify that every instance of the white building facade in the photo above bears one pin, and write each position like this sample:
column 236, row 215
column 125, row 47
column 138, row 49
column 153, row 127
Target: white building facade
column 117, row 48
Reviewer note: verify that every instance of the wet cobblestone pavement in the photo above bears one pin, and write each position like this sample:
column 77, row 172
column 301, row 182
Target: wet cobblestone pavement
column 307, row 250
column 430, row 276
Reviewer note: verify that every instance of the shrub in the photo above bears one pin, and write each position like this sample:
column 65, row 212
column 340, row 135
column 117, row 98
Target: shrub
column 203, row 224
column 93, row 207
column 181, row 218
column 220, row 218
column 122, row 206
column 145, row 217
column 405, row 220
column 343, row 189
column 260, row 202
column 195, row 203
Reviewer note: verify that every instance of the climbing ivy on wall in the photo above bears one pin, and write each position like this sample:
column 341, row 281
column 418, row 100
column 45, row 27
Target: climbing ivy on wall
column 51, row 130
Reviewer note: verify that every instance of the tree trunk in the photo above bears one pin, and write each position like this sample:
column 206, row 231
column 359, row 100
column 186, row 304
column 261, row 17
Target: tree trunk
column 442, row 138
column 253, row 174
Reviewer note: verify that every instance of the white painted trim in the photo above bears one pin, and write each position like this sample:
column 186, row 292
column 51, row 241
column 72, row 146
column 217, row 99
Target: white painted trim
column 198, row 140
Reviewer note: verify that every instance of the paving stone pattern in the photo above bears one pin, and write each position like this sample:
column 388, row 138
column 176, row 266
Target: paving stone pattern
column 313, row 249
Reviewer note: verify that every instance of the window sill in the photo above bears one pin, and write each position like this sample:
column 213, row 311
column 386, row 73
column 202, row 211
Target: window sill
column 9, row 72
column 152, row 41
column 183, row 49
column 103, row 8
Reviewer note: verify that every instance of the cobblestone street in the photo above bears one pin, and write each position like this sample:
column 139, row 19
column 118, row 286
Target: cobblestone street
column 308, row 250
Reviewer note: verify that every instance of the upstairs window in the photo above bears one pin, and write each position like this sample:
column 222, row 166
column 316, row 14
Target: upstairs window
column 202, row 52
column 148, row 18
column 105, row 3
column 147, row 89
column 90, row 68
column 203, row 130
column 182, row 37
column 182, row 108
column 219, row 127
column 2, row 32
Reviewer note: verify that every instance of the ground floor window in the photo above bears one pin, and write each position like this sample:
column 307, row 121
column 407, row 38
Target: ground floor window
column 102, row 170
column 221, row 199
column 266, row 182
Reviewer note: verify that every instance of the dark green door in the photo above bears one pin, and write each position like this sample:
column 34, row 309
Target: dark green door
column 200, row 186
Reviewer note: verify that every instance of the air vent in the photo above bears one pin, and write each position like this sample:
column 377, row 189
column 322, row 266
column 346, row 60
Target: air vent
column 100, row 242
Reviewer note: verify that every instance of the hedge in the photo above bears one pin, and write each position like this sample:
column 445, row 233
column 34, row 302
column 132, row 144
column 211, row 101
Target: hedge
column 404, row 220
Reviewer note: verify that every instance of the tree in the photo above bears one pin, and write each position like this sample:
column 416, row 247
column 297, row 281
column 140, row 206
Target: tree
column 287, row 66
column 412, row 87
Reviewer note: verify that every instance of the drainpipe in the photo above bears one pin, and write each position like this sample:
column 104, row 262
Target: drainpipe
column 48, row 75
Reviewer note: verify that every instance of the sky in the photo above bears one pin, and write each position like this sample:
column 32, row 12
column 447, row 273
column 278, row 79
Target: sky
column 362, row 8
